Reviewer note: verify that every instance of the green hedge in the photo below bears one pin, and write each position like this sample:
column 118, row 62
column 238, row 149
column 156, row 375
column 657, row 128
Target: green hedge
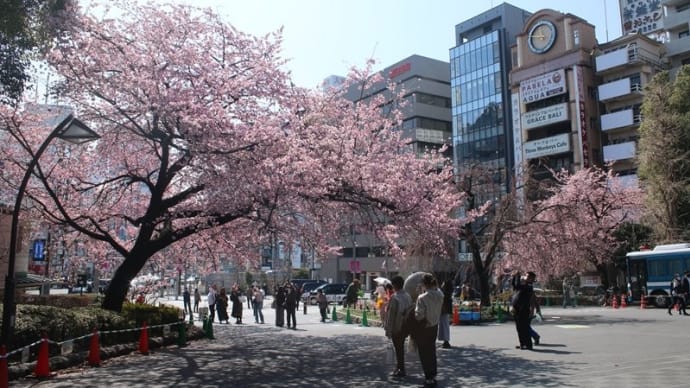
column 60, row 324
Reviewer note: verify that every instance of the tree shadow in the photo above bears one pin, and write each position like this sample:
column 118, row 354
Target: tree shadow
column 266, row 356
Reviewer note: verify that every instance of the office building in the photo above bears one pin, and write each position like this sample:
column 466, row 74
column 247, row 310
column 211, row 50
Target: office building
column 426, row 122
column 479, row 67
column 556, row 120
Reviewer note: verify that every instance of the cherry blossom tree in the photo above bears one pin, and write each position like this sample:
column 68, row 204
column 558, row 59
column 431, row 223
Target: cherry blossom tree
column 205, row 141
column 574, row 228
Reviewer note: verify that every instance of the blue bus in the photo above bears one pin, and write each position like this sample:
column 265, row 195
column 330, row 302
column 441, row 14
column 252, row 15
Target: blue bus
column 650, row 271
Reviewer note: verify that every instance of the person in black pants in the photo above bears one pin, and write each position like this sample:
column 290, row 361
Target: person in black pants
column 291, row 306
column 427, row 312
column 280, row 306
column 523, row 308
column 678, row 295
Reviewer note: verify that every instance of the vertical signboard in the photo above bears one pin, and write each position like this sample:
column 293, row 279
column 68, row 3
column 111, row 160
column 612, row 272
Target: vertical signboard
column 581, row 115
column 517, row 145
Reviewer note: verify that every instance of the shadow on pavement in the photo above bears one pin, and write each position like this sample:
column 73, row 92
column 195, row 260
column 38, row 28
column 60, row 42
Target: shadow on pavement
column 267, row 356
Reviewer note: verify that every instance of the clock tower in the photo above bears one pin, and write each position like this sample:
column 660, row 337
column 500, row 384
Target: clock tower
column 555, row 113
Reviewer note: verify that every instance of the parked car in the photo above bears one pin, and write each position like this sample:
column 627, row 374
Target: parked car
column 335, row 292
column 307, row 288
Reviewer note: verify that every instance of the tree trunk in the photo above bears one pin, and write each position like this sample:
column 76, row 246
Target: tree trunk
column 484, row 287
column 119, row 285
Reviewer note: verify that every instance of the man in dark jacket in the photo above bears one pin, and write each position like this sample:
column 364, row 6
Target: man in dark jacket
column 291, row 301
column 351, row 293
column 522, row 306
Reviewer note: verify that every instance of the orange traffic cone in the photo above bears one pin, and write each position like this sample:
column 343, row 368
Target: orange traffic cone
column 94, row 350
column 4, row 375
column 144, row 339
column 643, row 302
column 614, row 301
column 624, row 301
column 43, row 364
column 456, row 316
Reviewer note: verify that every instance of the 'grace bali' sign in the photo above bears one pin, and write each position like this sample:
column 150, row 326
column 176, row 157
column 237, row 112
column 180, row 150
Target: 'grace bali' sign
column 543, row 86
column 545, row 116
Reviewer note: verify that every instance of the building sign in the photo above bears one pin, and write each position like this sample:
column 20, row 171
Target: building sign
column 396, row 71
column 582, row 115
column 543, row 86
column 547, row 146
column 39, row 250
column 643, row 16
column 517, row 147
column 545, row 116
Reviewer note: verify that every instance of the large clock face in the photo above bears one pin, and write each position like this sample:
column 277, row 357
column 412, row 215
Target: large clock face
column 541, row 36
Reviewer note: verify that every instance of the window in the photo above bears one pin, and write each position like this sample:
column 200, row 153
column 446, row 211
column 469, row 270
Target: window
column 683, row 34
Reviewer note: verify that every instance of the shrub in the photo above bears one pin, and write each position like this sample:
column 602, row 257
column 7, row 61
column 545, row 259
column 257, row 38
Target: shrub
column 60, row 324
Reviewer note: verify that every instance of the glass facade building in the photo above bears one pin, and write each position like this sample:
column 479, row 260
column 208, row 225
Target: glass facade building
column 480, row 92
column 478, row 95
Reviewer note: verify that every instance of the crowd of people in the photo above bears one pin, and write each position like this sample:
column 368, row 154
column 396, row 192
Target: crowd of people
column 218, row 303
column 424, row 317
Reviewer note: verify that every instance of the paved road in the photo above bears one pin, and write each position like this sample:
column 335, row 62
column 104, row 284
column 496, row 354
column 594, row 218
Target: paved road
column 582, row 347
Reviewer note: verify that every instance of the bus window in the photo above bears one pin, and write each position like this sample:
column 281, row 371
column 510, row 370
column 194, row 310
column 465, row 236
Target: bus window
column 687, row 265
column 676, row 266
column 658, row 268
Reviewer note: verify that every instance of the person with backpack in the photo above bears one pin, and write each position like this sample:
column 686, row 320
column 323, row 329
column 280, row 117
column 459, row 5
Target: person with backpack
column 677, row 295
column 399, row 306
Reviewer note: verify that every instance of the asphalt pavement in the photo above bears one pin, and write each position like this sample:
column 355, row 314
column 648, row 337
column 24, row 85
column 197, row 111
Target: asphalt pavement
column 580, row 347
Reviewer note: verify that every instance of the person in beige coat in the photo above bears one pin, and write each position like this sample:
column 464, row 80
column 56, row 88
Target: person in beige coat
column 428, row 312
column 399, row 306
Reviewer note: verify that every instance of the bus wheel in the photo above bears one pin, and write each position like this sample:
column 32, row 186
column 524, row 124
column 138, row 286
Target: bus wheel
column 660, row 300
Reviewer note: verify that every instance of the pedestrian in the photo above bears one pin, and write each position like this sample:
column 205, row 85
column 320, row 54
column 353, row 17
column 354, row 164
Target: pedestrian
column 677, row 295
column 211, row 300
column 187, row 300
column 537, row 312
column 258, row 305
column 521, row 306
column 388, row 287
column 197, row 299
column 235, row 297
column 428, row 312
column 351, row 293
column 291, row 300
column 280, row 306
column 222, row 306
column 322, row 301
column 398, row 308
column 446, row 310
column 686, row 287
column 567, row 286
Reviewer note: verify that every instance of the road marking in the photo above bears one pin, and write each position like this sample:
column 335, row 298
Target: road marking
column 573, row 326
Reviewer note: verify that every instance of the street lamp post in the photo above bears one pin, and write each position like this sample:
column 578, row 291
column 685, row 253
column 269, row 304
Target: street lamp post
column 73, row 131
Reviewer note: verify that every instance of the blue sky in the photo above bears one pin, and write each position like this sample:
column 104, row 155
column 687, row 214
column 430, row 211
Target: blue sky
column 324, row 37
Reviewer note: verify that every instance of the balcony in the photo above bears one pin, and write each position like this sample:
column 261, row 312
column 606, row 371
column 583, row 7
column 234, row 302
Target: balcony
column 620, row 151
column 632, row 54
column 678, row 46
column 621, row 119
column 619, row 88
column 612, row 59
column 676, row 19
